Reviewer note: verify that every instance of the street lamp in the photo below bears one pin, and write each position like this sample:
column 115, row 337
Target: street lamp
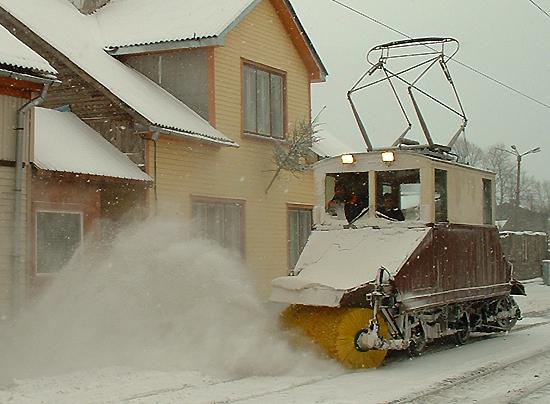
column 515, row 152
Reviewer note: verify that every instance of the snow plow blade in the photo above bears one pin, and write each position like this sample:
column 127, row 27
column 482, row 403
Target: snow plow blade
column 335, row 265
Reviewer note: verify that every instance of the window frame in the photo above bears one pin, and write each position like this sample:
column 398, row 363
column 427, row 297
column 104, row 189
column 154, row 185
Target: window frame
column 299, row 208
column 438, row 219
column 272, row 71
column 226, row 201
column 487, row 185
column 58, row 211
column 401, row 176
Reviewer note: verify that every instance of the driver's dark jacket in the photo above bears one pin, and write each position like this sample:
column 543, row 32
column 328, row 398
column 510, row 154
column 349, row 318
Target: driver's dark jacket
column 394, row 213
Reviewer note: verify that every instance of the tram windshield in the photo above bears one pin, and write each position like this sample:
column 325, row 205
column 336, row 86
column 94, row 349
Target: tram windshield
column 398, row 194
column 347, row 195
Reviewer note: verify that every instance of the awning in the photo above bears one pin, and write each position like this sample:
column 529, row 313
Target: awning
column 64, row 143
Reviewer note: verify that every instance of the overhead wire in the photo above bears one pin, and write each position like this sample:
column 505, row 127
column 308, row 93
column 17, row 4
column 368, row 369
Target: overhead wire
column 471, row 68
column 542, row 10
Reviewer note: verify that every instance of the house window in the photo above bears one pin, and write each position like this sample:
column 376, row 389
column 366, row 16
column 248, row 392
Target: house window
column 440, row 197
column 487, row 201
column 299, row 229
column 220, row 221
column 263, row 102
column 58, row 235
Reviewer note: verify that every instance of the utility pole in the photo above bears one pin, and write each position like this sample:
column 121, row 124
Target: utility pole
column 515, row 152
column 518, row 179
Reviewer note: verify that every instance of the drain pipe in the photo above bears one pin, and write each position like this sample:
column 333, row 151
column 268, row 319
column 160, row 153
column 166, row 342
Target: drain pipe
column 18, row 262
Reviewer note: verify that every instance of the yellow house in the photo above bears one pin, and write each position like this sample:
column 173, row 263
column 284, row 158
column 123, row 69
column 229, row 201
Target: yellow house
column 238, row 74
column 224, row 189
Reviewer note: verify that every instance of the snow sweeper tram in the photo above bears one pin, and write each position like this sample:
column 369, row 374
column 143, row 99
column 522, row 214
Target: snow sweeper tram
column 404, row 248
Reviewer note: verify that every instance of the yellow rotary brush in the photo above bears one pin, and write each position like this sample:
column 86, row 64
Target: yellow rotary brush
column 335, row 330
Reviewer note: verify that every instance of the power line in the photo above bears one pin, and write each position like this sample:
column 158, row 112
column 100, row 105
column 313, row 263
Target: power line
column 540, row 8
column 471, row 68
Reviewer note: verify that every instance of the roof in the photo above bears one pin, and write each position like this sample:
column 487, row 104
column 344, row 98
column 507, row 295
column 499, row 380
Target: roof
column 330, row 146
column 120, row 20
column 64, row 143
column 53, row 20
column 404, row 159
column 16, row 54
column 190, row 23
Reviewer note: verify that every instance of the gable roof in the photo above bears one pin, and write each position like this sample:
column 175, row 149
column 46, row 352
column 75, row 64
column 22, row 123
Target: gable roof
column 78, row 38
column 83, row 150
column 121, row 21
column 175, row 24
column 16, row 55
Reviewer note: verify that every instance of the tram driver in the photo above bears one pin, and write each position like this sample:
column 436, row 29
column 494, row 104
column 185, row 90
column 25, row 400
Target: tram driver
column 389, row 209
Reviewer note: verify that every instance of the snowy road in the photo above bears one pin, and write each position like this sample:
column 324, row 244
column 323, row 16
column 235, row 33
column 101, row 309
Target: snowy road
column 513, row 367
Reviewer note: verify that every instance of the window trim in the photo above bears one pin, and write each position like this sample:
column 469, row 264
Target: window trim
column 222, row 200
column 270, row 70
column 446, row 171
column 488, row 209
column 35, row 218
column 294, row 207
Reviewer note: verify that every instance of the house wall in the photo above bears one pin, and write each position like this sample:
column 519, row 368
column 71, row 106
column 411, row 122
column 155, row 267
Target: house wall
column 8, row 110
column 187, row 169
column 183, row 74
column 61, row 193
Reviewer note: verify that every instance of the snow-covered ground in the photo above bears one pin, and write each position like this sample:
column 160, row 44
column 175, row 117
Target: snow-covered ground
column 197, row 336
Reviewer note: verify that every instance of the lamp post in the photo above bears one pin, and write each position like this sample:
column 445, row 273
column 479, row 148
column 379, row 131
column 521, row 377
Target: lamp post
column 515, row 152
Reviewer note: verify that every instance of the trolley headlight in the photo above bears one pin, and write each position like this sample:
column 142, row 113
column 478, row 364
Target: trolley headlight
column 348, row 158
column 388, row 157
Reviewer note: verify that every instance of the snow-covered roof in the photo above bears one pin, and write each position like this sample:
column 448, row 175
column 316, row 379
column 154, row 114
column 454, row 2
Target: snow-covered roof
column 334, row 262
column 330, row 146
column 15, row 53
column 77, row 37
column 122, row 21
column 64, row 143
column 189, row 23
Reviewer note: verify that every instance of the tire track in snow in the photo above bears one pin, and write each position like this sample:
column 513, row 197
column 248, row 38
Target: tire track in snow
column 175, row 389
column 440, row 389
column 395, row 360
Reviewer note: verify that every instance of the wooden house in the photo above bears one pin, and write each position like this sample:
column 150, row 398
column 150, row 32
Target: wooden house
column 81, row 188
column 24, row 76
column 199, row 93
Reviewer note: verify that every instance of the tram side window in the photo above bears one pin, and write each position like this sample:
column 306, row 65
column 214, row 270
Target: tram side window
column 347, row 195
column 403, row 188
column 440, row 197
column 487, row 201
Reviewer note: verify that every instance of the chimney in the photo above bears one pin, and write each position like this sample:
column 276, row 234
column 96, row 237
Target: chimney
column 88, row 6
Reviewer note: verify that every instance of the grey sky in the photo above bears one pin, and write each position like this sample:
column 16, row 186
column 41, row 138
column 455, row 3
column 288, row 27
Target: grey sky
column 507, row 39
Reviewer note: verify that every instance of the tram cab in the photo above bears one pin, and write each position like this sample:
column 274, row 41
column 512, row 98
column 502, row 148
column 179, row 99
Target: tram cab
column 351, row 190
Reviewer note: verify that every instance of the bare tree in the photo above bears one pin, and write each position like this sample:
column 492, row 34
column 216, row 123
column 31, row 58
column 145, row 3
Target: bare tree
column 468, row 152
column 502, row 164
column 292, row 155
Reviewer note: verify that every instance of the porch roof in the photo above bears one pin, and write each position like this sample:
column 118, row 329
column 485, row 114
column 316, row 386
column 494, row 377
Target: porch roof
column 16, row 54
column 64, row 143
